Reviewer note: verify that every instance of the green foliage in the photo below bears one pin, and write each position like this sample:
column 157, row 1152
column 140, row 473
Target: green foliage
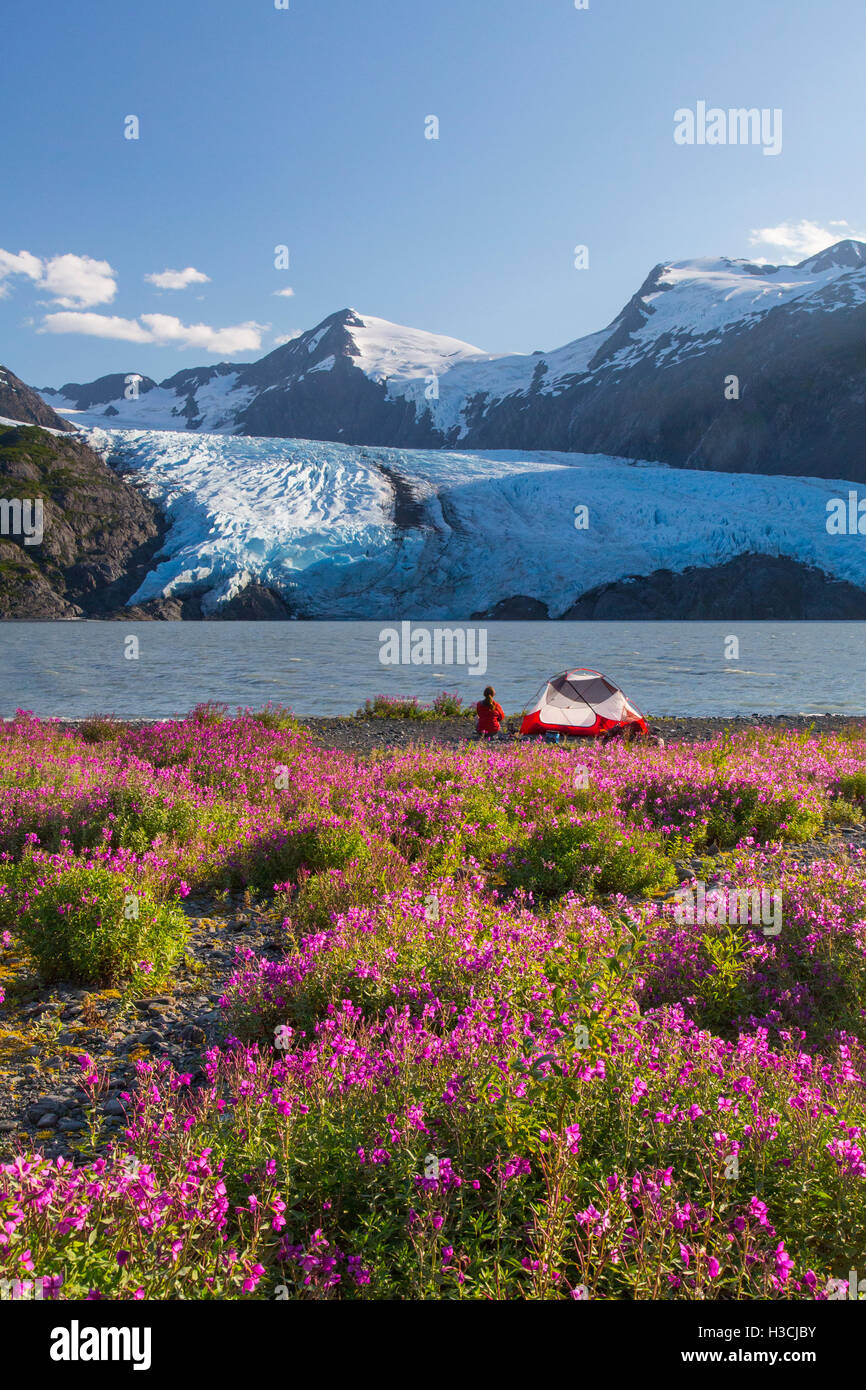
column 316, row 848
column 739, row 810
column 448, row 706
column 470, row 824
column 209, row 713
column 591, row 856
column 444, row 706
column 393, row 707
column 316, row 899
column 851, row 786
column 95, row 927
column 274, row 716
column 140, row 819
column 100, row 728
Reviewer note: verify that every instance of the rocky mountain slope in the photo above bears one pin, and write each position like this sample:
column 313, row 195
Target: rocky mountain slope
column 20, row 402
column 99, row 533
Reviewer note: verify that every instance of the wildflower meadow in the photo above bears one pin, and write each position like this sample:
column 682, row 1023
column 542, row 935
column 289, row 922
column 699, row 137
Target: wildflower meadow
column 481, row 1052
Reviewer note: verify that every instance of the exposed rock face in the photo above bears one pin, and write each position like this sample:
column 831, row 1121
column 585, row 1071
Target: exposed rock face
column 298, row 397
column 100, row 534
column 749, row 588
column 515, row 609
column 105, row 389
column 20, row 402
column 255, row 603
column 801, row 411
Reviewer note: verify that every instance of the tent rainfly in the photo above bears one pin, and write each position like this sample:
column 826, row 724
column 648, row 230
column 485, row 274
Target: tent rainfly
column 580, row 702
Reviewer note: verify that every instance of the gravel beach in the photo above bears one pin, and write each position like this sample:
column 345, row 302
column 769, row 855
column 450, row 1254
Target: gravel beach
column 363, row 735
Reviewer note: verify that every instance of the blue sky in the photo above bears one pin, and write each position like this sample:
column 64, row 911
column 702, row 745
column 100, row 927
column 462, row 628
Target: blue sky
column 305, row 127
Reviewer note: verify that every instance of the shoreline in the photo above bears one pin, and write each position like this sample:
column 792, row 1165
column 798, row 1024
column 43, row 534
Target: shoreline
column 353, row 734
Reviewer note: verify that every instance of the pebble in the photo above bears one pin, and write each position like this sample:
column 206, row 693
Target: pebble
column 193, row 1034
column 57, row 1103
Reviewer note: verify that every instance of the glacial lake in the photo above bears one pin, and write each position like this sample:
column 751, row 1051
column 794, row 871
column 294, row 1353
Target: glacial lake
column 330, row 668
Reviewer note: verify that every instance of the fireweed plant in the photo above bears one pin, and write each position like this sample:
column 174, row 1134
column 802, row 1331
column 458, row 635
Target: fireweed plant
column 490, row 1059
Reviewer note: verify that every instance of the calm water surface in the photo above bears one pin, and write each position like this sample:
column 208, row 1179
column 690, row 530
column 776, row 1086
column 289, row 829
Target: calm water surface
column 78, row 668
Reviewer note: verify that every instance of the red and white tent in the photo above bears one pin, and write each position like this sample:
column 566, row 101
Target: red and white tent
column 580, row 702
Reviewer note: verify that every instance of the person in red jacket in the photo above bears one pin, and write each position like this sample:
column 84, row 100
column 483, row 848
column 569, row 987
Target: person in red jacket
column 490, row 714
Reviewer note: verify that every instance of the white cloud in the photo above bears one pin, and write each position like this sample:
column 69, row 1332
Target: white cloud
column 287, row 337
column 96, row 326
column 177, row 279
column 803, row 238
column 22, row 264
column 287, row 293
column 242, row 337
column 162, row 329
column 76, row 282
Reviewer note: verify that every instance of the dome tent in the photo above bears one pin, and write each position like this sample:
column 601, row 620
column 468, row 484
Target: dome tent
column 580, row 702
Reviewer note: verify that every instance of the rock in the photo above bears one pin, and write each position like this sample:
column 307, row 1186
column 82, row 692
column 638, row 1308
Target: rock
column 70, row 1126
column 46, row 1121
column 21, row 402
column 192, row 1034
column 116, row 1107
column 33, row 1010
column 56, row 1103
column 100, row 533
column 256, row 603
column 517, row 608
column 749, row 588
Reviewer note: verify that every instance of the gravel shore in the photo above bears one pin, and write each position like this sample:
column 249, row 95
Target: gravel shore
column 363, row 735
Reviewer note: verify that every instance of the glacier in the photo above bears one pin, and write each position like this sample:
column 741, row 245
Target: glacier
column 358, row 532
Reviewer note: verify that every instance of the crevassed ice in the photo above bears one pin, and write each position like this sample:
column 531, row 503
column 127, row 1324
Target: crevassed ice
column 321, row 518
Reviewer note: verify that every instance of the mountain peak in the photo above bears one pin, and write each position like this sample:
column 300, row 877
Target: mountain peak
column 848, row 255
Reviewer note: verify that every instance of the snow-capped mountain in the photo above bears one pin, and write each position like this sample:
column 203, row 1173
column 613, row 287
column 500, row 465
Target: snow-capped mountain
column 348, row 377
column 655, row 384
column 349, row 532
